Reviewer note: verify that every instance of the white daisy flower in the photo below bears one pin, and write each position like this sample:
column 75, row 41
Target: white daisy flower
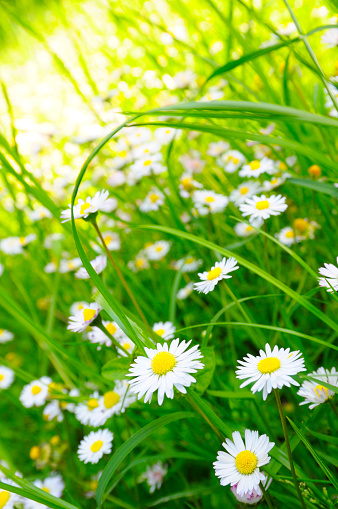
column 53, row 485
column 209, row 201
column 77, row 306
column 166, row 330
column 304, row 228
column 164, row 135
column 138, row 135
column 154, row 476
column 84, row 317
column 9, row 500
column 53, row 411
column 164, row 368
column 216, row 149
column 271, row 369
column 231, row 161
column 6, row 336
column 330, row 279
column 256, row 168
column 183, row 293
column 6, row 377
column 127, row 344
column 70, row 265
column 39, row 213
column 244, row 191
column 99, row 264
column 315, row 393
column 188, row 185
column 218, row 272
column 153, row 201
column 150, row 165
column 192, row 163
column 112, row 403
column 112, row 241
column 93, row 446
column 157, row 250
column 287, row 236
column 330, row 38
column 15, row 245
column 188, row 264
column 140, row 263
column 261, row 207
column 96, row 335
column 84, row 411
column 35, row 393
column 146, row 149
column 91, row 205
column 245, row 230
column 240, row 464
column 252, row 497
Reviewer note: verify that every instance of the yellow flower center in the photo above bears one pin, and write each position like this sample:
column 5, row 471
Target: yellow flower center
column 92, row 403
column 246, row 462
column 22, row 240
column 4, row 497
column 84, row 207
column 160, row 332
column 110, row 399
column 210, row 199
column 249, row 228
column 108, row 239
column 126, row 346
column 244, row 190
column 88, row 314
column 321, row 388
column 159, row 249
column 187, row 183
column 263, row 204
column 123, row 153
column 139, row 263
column 71, row 265
column 282, row 166
column 1, row 378
column 93, row 485
column 44, row 488
column 1, row 332
column 274, row 181
column 153, row 197
column 235, row 160
column 163, row 362
column 96, row 446
column 111, row 328
column 300, row 224
column 55, row 440
column 254, row 165
column 36, row 390
column 290, row 234
column 214, row 273
column 268, row 365
column 34, row 453
column 189, row 260
column 147, row 162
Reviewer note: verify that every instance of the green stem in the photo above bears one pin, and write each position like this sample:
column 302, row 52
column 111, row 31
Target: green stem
column 113, row 340
column 288, row 448
column 267, row 497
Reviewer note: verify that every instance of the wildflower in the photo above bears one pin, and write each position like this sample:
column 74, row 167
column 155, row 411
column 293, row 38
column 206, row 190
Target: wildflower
column 244, row 191
column 93, row 446
column 8, row 500
column 252, row 497
column 157, row 250
column 6, row 336
column 53, row 485
column 217, row 148
column 183, row 293
column 256, row 168
column 15, row 245
column 84, row 411
column 6, row 377
column 154, row 476
column 330, row 279
column 315, row 393
column 314, row 171
column 152, row 201
column 112, row 403
column 91, row 205
column 39, row 213
column 140, row 263
column 164, row 368
column 209, row 201
column 69, row 265
column 53, row 411
column 231, row 161
column 151, row 164
column 96, row 335
column 268, row 185
column 35, row 393
column 240, row 464
column 146, row 149
column 99, row 264
column 192, row 162
column 188, row 264
column 330, row 38
column 261, row 207
column 112, row 241
column 218, row 272
column 271, row 369
column 188, row 185
column 287, row 236
column 84, row 317
column 166, row 330
column 304, row 228
column 52, row 239
column 245, row 230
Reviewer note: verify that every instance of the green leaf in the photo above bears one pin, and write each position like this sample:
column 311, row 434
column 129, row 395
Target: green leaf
column 116, row 369
column 130, row 444
column 232, row 394
column 204, row 377
column 320, row 187
column 192, row 492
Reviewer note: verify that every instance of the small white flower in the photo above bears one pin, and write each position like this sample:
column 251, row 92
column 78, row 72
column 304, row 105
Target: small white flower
column 82, row 318
column 261, row 207
column 112, row 241
column 84, row 411
column 154, row 476
column 330, row 279
column 35, row 393
column 99, row 264
column 9, row 500
column 217, row 148
column 53, row 485
column 183, row 293
column 219, row 271
column 231, row 161
column 151, row 164
column 112, row 403
column 192, row 163
column 240, row 464
column 330, row 38
column 93, row 446
column 314, row 392
column 15, row 245
column 245, row 230
column 53, row 411
column 166, row 330
column 91, row 205
column 165, row 135
column 188, row 264
column 6, row 377
column 271, row 369
column 146, row 149
column 6, row 336
column 138, row 135
column 256, row 168
column 244, row 191
column 209, row 201
column 140, row 263
column 96, row 335
column 164, row 368
column 188, row 185
column 70, row 265
column 157, row 250
column 39, row 213
column 153, row 201
column 252, row 497
column 287, row 236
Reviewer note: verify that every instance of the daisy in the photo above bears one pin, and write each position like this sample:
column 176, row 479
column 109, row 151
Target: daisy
column 117, row 177
column 261, row 207
column 218, row 272
column 93, row 446
column 256, row 168
column 330, row 38
column 9, row 500
column 53, row 411
column 240, row 464
column 268, row 185
column 304, row 228
column 127, row 344
column 6, row 336
column 112, row 241
column 330, row 279
column 209, row 201
column 165, row 135
column 153, row 201
column 91, row 205
column 35, row 393
column 144, row 150
column 70, row 265
column 6, row 377
column 315, row 393
column 217, row 148
column 39, row 213
column 112, row 403
column 140, row 263
column 77, row 306
column 150, row 165
column 84, row 317
column 166, row 330
column 252, row 497
column 53, row 485
column 96, row 335
column 99, row 264
column 188, row 185
column 163, row 369
column 231, row 161
column 157, row 250
column 244, row 191
column 154, row 476
column 15, row 245
column 192, row 163
column 271, row 369
column 245, row 230
column 286, row 236
column 138, row 135
column 188, row 264
column 84, row 411
column 183, row 293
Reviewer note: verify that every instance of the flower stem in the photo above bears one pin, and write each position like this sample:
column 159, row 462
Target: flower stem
column 120, row 275
column 113, row 340
column 288, row 448
column 267, row 497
